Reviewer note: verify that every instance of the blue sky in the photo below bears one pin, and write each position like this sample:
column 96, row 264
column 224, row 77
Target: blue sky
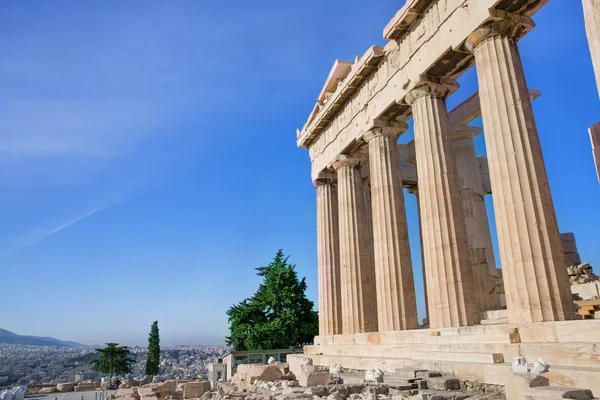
column 148, row 160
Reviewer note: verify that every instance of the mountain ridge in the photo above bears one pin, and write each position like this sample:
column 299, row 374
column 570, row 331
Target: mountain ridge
column 8, row 337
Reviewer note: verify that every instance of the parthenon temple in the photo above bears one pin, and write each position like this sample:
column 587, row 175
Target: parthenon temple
column 479, row 317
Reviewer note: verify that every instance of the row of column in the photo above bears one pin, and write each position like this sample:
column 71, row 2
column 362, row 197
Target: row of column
column 369, row 288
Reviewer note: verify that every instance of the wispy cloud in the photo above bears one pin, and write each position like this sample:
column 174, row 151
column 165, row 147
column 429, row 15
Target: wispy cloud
column 19, row 244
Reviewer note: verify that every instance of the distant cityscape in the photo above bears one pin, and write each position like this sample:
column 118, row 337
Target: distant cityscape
column 36, row 365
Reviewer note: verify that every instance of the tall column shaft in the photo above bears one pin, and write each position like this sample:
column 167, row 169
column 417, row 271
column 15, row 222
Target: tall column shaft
column 446, row 250
column 330, row 302
column 591, row 14
column 359, row 304
column 476, row 219
column 536, row 282
column 396, row 302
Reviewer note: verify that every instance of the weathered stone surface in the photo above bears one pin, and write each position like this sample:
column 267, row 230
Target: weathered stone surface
column 441, row 383
column 207, row 396
column 396, row 301
column 126, row 393
column 145, row 391
column 555, row 392
column 47, row 390
column 518, row 384
column 358, row 288
column 533, row 263
column 591, row 13
column 446, row 248
column 252, row 372
column 65, row 387
column 328, row 242
column 193, row 390
column 311, row 375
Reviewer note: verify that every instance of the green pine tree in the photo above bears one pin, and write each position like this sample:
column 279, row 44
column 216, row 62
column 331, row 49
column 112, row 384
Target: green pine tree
column 153, row 361
column 113, row 360
column 278, row 316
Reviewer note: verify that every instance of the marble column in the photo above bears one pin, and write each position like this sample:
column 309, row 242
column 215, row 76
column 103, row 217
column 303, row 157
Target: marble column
column 535, row 278
column 359, row 304
column 446, row 249
column 330, row 302
column 396, row 302
column 415, row 190
column 476, row 218
column 369, row 214
column 591, row 14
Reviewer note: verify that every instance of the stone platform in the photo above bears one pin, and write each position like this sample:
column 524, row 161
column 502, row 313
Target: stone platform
column 481, row 353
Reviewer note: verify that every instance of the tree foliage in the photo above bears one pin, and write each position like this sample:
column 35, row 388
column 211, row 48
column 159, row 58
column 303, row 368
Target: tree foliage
column 113, row 360
column 278, row 316
column 153, row 360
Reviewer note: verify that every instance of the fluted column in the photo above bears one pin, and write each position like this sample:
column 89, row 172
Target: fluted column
column 330, row 302
column 536, row 282
column 415, row 190
column 359, row 305
column 591, row 14
column 446, row 250
column 396, row 303
column 476, row 219
column 369, row 214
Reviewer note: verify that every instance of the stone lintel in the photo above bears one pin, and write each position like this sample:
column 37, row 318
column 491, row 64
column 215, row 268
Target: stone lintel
column 321, row 116
column 470, row 109
column 404, row 19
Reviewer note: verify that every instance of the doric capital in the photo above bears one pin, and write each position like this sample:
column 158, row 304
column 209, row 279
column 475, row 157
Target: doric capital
column 503, row 24
column 464, row 132
column 326, row 177
column 438, row 88
column 343, row 160
column 386, row 128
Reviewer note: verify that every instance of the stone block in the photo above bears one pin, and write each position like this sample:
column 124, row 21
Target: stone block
column 441, row 383
column 409, row 373
column 47, row 390
column 249, row 373
column 145, row 391
column 149, row 398
column 192, row 390
column 586, row 291
column 555, row 392
column 433, row 395
column 65, row 387
column 518, row 384
column 311, row 375
column 207, row 396
column 125, row 393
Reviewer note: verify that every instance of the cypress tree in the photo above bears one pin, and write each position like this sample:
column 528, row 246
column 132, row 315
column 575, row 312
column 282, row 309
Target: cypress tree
column 153, row 361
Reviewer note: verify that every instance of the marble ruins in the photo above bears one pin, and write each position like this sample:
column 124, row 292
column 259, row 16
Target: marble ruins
column 479, row 317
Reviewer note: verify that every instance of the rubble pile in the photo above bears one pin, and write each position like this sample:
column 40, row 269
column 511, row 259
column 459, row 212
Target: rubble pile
column 261, row 382
column 168, row 390
column 581, row 273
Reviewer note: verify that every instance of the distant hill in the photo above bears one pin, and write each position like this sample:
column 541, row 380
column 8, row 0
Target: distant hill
column 12, row 338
